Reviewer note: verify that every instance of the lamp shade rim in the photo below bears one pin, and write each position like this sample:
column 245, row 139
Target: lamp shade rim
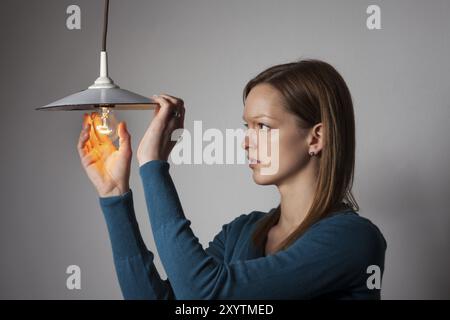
column 93, row 98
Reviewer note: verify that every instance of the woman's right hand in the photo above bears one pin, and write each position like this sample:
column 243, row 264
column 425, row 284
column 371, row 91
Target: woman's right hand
column 107, row 167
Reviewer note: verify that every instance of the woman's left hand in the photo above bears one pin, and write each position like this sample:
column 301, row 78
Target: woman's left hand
column 157, row 142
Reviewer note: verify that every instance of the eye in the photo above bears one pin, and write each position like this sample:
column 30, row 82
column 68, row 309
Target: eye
column 246, row 125
column 263, row 126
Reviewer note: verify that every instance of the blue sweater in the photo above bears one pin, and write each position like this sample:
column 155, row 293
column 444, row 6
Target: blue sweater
column 330, row 260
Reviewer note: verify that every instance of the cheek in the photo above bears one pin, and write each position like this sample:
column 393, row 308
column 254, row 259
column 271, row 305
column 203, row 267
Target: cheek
column 292, row 153
column 292, row 156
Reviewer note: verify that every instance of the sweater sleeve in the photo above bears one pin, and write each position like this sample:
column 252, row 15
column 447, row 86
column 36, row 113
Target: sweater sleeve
column 327, row 258
column 136, row 272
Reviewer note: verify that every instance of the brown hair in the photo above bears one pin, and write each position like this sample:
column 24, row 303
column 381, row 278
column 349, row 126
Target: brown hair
column 315, row 92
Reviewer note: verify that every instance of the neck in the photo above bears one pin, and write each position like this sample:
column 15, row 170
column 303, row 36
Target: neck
column 297, row 194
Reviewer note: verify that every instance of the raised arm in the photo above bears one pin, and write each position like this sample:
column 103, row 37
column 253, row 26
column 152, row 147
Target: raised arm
column 332, row 256
column 136, row 272
column 108, row 168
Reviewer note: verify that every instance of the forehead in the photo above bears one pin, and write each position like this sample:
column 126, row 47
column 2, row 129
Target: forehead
column 263, row 99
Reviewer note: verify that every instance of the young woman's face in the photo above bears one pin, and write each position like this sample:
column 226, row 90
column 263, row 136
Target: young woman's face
column 278, row 157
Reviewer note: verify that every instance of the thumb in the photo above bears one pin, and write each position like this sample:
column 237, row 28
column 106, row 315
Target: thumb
column 124, row 138
column 156, row 110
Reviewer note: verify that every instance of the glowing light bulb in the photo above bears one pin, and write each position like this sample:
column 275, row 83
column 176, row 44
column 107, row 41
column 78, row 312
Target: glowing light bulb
column 108, row 125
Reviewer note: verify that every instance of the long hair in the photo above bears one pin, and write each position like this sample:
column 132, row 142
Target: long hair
column 314, row 92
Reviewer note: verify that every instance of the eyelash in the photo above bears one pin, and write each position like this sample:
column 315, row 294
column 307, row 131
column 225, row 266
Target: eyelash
column 259, row 124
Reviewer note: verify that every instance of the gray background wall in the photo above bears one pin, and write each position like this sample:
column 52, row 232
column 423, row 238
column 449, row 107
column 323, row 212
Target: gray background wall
column 204, row 51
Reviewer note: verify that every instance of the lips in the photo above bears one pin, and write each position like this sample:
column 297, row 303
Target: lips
column 253, row 161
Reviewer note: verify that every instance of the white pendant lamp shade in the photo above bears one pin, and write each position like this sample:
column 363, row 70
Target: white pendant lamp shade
column 103, row 92
column 90, row 99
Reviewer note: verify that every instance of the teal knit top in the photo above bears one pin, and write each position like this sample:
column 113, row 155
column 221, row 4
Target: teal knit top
column 330, row 260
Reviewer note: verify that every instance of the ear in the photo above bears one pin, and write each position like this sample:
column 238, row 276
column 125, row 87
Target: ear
column 316, row 138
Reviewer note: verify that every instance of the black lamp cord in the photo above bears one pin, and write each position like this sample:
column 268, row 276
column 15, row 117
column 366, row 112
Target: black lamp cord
column 105, row 25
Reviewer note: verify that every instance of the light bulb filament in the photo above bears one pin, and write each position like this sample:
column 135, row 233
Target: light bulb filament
column 103, row 128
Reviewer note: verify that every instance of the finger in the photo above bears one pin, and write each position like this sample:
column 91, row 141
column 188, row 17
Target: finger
column 82, row 147
column 89, row 159
column 124, row 138
column 180, row 107
column 174, row 100
column 156, row 110
column 166, row 108
column 88, row 146
column 94, row 135
column 87, row 123
column 84, row 134
column 173, row 125
column 177, row 106
column 181, row 122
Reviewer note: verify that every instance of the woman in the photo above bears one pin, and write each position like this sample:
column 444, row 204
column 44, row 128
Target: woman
column 313, row 245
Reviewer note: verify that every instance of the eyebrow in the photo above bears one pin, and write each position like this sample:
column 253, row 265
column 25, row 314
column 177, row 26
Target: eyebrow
column 261, row 116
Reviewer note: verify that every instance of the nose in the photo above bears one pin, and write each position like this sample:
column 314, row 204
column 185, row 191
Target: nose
column 249, row 140
column 244, row 143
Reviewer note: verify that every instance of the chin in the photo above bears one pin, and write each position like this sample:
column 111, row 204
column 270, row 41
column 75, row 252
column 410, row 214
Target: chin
column 263, row 179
